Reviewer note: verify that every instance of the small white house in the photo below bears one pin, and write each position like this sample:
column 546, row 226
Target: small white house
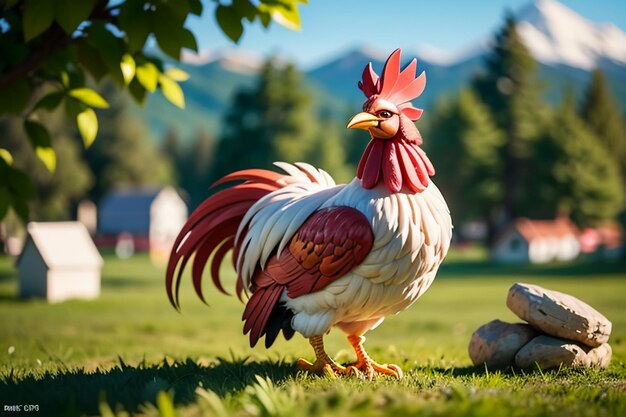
column 59, row 261
column 147, row 219
column 537, row 241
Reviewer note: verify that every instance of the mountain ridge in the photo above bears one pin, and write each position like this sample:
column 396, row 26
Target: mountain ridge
column 217, row 75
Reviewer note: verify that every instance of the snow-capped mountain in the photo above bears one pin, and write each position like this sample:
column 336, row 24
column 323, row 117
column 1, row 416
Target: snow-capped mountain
column 556, row 34
column 235, row 60
column 566, row 44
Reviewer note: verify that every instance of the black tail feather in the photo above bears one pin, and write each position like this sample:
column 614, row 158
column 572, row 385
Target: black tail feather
column 280, row 319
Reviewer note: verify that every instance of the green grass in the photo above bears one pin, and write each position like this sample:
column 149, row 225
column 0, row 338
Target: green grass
column 120, row 351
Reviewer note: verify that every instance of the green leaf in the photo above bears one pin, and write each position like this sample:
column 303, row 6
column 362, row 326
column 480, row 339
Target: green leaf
column 165, row 405
column 170, row 43
column 136, row 23
column 91, row 60
column 71, row 13
column 148, row 75
column 265, row 19
column 65, row 79
column 6, row 156
column 229, row 21
column 50, row 101
column 14, row 98
column 172, row 91
column 48, row 157
column 245, row 9
column 105, row 409
column 188, row 40
column 87, row 122
column 177, row 74
column 110, row 47
column 20, row 207
column 40, row 140
column 195, row 7
column 5, row 201
column 137, row 91
column 38, row 16
column 286, row 14
column 128, row 68
column 73, row 107
column 168, row 29
column 89, row 97
column 19, row 184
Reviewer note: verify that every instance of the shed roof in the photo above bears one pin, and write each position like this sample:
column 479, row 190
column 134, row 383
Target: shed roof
column 608, row 235
column 63, row 244
column 127, row 210
column 557, row 228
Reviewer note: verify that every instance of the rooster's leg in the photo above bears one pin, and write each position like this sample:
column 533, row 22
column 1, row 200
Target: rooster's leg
column 323, row 363
column 365, row 366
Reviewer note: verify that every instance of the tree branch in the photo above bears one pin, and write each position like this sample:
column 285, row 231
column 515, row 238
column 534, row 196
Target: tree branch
column 54, row 39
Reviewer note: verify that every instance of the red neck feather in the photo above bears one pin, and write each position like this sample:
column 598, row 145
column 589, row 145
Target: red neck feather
column 398, row 161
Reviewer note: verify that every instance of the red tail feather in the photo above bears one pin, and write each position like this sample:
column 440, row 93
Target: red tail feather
column 211, row 229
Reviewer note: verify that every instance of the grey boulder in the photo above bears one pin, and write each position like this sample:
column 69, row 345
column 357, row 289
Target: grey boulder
column 550, row 352
column 559, row 314
column 496, row 343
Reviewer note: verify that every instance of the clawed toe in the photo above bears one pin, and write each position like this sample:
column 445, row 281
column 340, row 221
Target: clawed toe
column 363, row 371
column 388, row 369
column 363, row 368
column 370, row 369
column 321, row 367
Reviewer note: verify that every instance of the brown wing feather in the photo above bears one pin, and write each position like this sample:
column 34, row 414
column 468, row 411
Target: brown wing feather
column 329, row 244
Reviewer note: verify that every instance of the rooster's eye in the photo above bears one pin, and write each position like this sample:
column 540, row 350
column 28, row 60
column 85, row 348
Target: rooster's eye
column 384, row 114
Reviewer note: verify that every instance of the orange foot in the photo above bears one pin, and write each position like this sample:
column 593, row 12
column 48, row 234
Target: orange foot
column 323, row 364
column 322, row 367
column 365, row 367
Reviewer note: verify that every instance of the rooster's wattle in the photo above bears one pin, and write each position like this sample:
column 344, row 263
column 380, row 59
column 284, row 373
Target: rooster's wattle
column 311, row 255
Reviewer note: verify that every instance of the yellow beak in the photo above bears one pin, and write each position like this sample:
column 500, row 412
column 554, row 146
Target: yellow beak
column 364, row 121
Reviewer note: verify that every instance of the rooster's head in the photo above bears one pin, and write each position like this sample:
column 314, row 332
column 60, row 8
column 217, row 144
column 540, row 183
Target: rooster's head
column 393, row 154
column 389, row 98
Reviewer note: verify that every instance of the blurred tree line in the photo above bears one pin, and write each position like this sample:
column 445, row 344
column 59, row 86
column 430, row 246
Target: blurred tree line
column 500, row 151
column 53, row 52
column 273, row 121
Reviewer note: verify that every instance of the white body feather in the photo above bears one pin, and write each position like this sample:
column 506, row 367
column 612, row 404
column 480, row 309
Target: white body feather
column 412, row 235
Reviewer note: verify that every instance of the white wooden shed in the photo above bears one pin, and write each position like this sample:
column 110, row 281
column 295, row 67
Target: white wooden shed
column 59, row 261
column 149, row 218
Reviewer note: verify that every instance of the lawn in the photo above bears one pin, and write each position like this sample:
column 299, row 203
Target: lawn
column 129, row 352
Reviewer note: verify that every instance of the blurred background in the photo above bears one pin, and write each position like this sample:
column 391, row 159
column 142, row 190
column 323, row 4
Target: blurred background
column 524, row 119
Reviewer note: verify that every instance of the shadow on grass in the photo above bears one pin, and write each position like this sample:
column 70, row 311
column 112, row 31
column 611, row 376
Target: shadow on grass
column 567, row 270
column 76, row 392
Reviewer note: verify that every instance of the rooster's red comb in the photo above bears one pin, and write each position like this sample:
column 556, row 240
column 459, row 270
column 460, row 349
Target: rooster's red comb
column 398, row 87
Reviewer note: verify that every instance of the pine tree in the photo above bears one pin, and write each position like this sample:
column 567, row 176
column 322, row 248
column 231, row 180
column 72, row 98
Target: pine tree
column 195, row 168
column 329, row 152
column 463, row 143
column 272, row 122
column 510, row 92
column 573, row 172
column 172, row 149
column 604, row 118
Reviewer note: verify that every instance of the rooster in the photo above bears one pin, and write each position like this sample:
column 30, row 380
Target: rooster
column 311, row 255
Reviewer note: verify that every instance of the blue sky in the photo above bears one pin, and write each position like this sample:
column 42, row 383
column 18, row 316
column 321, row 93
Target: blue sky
column 331, row 26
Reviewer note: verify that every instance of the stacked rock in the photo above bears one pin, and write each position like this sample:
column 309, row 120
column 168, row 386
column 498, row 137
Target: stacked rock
column 561, row 330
